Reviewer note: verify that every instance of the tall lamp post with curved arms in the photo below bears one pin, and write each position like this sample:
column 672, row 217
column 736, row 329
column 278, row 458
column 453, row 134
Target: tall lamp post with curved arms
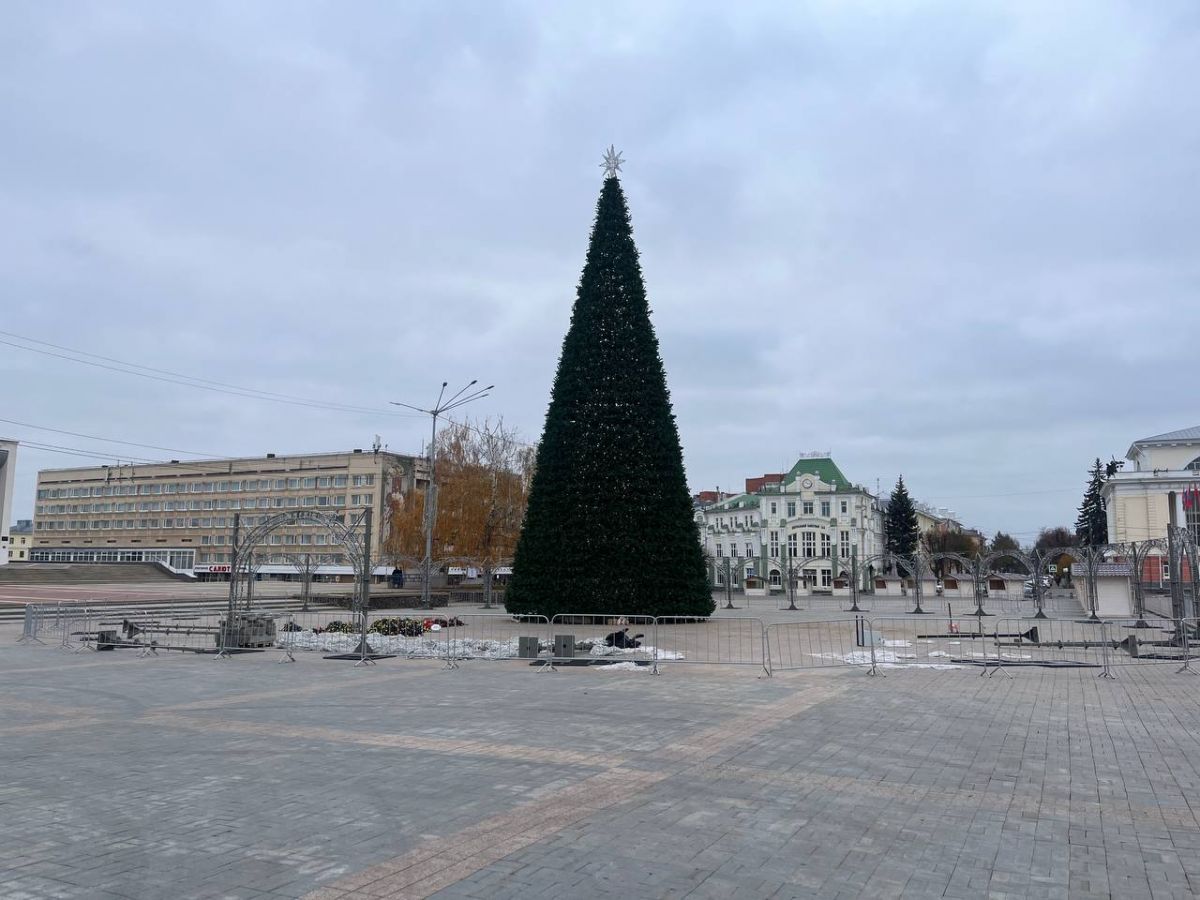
column 465, row 395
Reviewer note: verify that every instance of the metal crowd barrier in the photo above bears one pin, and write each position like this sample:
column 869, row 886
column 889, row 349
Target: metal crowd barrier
column 824, row 644
column 34, row 615
column 493, row 636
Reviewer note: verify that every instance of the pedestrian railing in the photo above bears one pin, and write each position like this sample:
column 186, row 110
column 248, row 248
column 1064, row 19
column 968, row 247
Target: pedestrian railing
column 866, row 641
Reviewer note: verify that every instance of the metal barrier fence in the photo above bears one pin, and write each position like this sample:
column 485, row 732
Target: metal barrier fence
column 931, row 640
column 806, row 645
column 494, row 636
column 725, row 640
column 32, row 625
column 873, row 642
column 581, row 638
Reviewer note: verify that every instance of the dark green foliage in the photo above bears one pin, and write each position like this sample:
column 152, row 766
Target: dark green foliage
column 1091, row 527
column 609, row 526
column 1005, row 543
column 901, row 532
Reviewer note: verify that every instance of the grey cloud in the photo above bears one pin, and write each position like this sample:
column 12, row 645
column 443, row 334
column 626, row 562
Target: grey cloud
column 954, row 241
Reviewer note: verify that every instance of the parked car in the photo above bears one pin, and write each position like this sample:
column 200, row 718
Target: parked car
column 1027, row 593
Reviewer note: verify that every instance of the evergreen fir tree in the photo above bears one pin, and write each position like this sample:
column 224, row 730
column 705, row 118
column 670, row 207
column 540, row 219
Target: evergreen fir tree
column 901, row 532
column 1091, row 527
column 609, row 526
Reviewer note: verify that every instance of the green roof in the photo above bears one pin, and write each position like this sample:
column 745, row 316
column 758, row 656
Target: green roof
column 822, row 468
column 742, row 501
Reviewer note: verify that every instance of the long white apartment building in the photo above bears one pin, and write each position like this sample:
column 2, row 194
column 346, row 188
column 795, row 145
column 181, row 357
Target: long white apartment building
column 180, row 513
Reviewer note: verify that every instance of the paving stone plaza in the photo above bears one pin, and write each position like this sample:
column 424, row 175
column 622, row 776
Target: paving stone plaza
column 181, row 776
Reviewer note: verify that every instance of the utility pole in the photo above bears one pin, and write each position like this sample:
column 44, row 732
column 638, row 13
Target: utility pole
column 462, row 398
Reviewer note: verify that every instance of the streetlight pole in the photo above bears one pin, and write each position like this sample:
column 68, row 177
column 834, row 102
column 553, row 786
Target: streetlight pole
column 466, row 395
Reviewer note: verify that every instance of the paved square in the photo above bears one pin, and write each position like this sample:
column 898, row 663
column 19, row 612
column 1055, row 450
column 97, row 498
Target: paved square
column 182, row 776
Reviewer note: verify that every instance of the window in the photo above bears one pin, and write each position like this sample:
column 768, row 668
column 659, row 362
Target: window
column 826, row 578
column 324, row 481
column 844, row 544
column 825, row 549
column 733, row 550
column 808, row 507
column 310, row 482
column 749, row 550
column 720, row 550
column 845, row 507
column 791, row 545
column 810, row 544
column 359, row 480
column 825, row 508
column 791, row 508
column 773, row 507
column 339, row 480
column 774, row 544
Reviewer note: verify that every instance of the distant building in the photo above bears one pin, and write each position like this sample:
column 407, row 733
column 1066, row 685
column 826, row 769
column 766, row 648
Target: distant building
column 1160, row 487
column 8, row 465
column 180, row 514
column 20, row 540
column 811, row 516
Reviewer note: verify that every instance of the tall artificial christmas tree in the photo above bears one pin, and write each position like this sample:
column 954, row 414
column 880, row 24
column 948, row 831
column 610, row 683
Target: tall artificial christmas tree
column 609, row 526
column 1091, row 527
column 901, row 532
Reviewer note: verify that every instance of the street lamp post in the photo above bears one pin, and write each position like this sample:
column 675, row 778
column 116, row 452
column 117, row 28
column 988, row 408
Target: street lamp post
column 465, row 395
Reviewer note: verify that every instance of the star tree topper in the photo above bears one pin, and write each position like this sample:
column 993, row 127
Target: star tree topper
column 612, row 162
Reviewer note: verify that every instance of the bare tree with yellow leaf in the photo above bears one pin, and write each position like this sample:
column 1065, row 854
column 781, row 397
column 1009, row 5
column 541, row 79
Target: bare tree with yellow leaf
column 480, row 490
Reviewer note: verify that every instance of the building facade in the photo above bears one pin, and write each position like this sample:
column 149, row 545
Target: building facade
column 810, row 517
column 8, row 465
column 20, row 540
column 180, row 514
column 1159, row 486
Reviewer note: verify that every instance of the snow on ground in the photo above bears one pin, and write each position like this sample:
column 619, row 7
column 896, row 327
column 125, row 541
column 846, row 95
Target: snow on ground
column 431, row 646
column 600, row 649
column 622, row 667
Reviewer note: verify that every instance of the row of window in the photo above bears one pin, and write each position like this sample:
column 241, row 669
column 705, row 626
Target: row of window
column 808, row 577
column 803, row 544
column 204, row 505
column 176, row 559
column 807, row 508
column 318, row 559
column 207, row 487
column 172, row 522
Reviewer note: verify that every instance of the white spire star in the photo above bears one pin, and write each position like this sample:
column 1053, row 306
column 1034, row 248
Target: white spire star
column 612, row 162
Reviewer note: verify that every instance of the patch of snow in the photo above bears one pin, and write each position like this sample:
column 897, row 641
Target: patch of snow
column 622, row 667
column 887, row 643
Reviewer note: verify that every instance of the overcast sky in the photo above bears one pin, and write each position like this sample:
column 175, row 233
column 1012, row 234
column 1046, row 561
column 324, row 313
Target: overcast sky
column 954, row 241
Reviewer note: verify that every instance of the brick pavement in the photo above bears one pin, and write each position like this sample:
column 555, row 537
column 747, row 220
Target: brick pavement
column 185, row 777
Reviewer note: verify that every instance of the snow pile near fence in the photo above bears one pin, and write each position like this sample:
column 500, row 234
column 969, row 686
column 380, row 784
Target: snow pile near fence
column 597, row 647
column 621, row 667
column 412, row 647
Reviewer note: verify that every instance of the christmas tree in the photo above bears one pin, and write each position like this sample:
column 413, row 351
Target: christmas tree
column 1091, row 527
column 901, row 531
column 609, row 526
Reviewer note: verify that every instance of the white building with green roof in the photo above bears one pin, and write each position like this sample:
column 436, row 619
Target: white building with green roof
column 811, row 517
